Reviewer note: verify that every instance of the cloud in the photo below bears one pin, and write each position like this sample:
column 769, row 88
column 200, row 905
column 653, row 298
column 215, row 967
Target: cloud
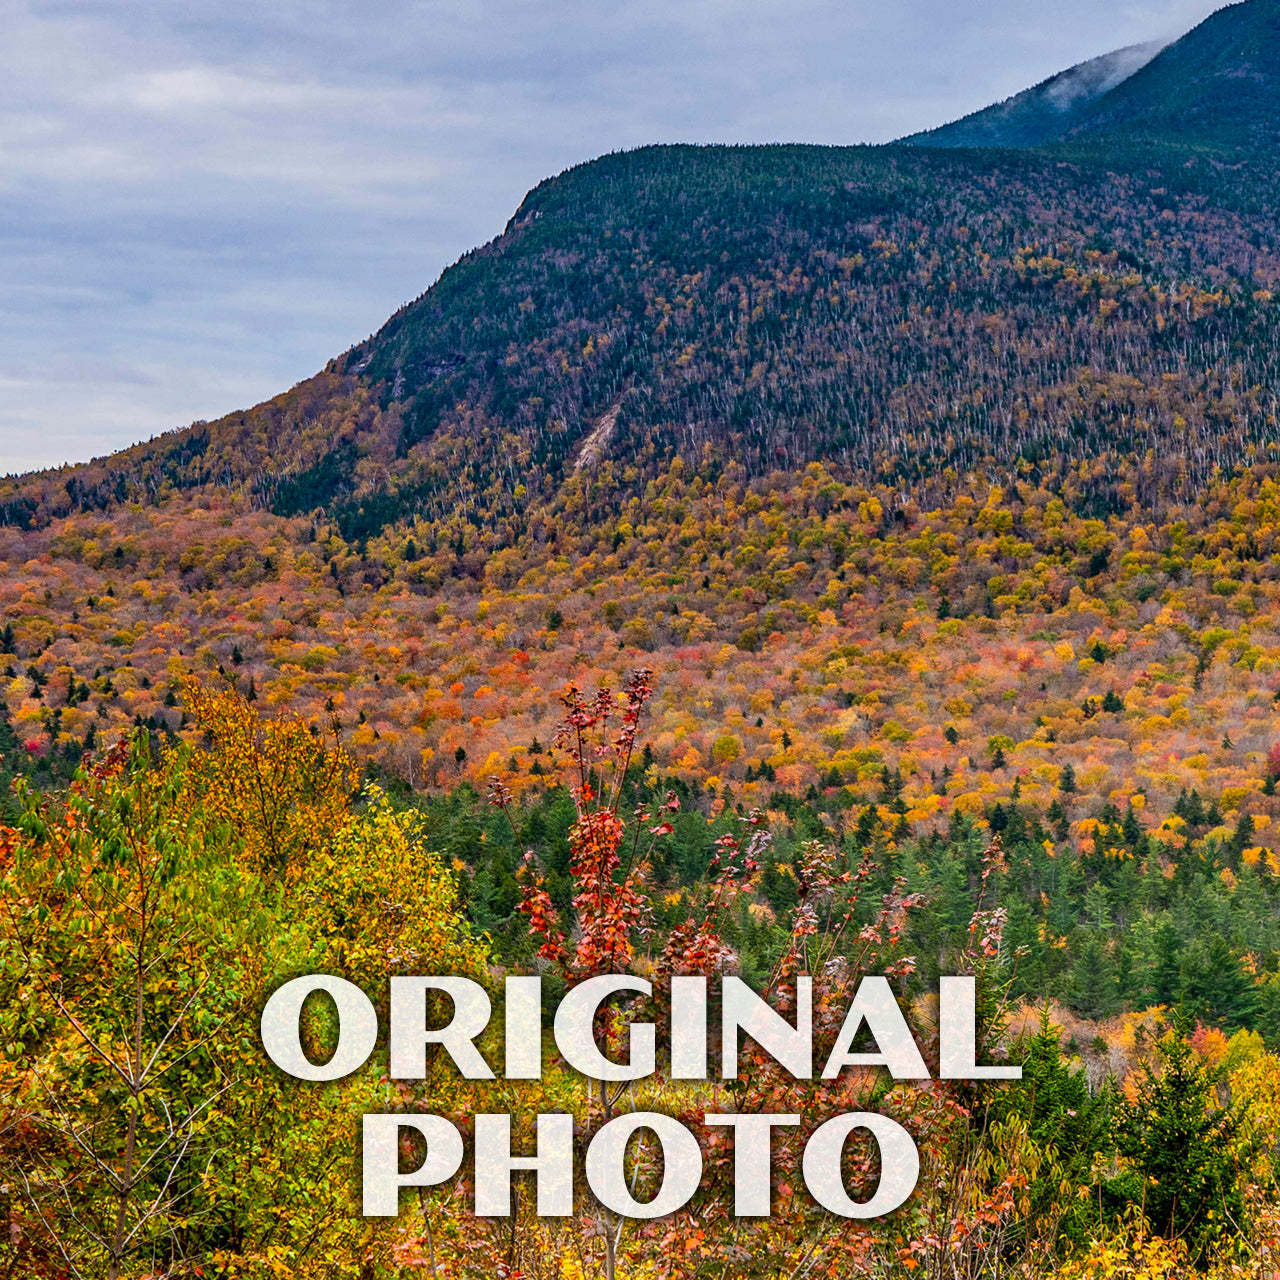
column 220, row 195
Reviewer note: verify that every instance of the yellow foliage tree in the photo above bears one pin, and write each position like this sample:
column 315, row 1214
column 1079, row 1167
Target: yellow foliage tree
column 139, row 901
column 274, row 783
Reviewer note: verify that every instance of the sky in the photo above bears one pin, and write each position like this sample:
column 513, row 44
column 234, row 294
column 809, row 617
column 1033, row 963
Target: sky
column 203, row 201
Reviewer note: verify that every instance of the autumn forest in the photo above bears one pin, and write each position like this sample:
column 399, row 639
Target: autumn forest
column 764, row 561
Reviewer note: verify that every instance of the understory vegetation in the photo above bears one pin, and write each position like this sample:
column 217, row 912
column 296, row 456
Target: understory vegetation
column 152, row 904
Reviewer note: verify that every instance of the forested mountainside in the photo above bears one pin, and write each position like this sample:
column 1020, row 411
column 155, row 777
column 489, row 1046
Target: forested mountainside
column 1044, row 112
column 897, row 313
column 894, row 313
column 808, row 405
column 1215, row 92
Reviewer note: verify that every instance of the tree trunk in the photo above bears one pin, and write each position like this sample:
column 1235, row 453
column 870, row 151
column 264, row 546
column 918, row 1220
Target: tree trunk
column 610, row 1259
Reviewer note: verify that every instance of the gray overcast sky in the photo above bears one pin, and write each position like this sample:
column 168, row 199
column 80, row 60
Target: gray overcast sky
column 201, row 201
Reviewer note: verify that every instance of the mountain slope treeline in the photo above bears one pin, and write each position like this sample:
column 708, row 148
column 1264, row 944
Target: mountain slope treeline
column 894, row 313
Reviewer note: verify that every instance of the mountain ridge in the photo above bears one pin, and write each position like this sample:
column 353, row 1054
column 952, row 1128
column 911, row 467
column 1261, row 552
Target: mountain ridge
column 1040, row 114
column 1183, row 93
column 1192, row 89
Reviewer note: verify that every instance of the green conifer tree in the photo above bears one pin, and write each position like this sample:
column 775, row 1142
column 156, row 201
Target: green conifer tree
column 1178, row 1140
column 1091, row 984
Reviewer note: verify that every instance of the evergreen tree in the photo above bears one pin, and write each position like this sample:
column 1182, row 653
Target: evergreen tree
column 1190, row 808
column 1165, row 978
column 1022, row 933
column 1242, row 839
column 1063, row 1120
column 1178, row 1140
column 1214, row 985
column 1097, row 907
column 1091, row 984
column 1131, row 831
column 1056, row 816
column 1066, row 892
column 1268, row 1016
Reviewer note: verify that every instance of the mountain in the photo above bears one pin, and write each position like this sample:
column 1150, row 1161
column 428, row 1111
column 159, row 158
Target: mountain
column 1217, row 89
column 904, row 312
column 893, row 312
column 1044, row 112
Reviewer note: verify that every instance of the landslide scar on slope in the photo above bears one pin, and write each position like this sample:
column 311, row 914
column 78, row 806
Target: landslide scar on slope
column 594, row 445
